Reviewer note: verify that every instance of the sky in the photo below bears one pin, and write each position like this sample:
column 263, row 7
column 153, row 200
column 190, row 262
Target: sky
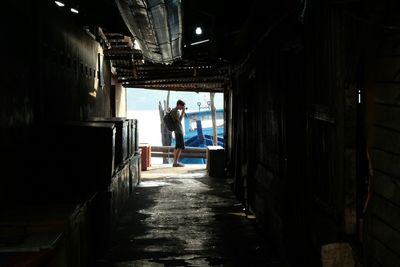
column 146, row 99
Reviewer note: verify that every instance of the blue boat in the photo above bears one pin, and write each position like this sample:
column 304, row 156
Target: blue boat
column 199, row 132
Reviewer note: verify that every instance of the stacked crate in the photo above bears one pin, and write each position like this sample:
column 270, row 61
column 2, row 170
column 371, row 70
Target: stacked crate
column 89, row 155
column 52, row 234
column 93, row 158
column 120, row 183
column 100, row 223
column 121, row 137
column 90, row 167
column 89, row 163
column 126, row 173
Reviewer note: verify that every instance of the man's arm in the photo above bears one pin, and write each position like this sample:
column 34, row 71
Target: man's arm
column 177, row 117
column 181, row 116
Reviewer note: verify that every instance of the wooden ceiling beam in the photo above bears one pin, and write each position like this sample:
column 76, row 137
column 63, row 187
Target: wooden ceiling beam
column 179, row 67
column 194, row 87
column 196, row 79
column 154, row 76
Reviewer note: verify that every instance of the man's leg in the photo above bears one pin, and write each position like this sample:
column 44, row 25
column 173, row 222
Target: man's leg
column 178, row 154
column 175, row 156
column 178, row 149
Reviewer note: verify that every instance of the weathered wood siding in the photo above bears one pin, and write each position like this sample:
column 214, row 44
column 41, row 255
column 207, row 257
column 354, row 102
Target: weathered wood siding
column 73, row 78
column 297, row 142
column 383, row 221
column 336, row 45
column 17, row 96
column 50, row 73
column 268, row 124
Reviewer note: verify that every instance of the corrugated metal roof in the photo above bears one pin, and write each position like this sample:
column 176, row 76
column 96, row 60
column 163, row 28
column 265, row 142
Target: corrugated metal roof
column 156, row 26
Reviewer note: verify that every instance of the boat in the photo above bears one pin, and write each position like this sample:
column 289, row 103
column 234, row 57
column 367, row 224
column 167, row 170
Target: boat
column 198, row 132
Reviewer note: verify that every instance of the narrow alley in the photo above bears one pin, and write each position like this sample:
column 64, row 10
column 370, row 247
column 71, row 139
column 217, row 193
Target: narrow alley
column 183, row 217
column 307, row 124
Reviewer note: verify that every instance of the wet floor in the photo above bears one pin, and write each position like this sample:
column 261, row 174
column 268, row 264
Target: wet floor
column 182, row 217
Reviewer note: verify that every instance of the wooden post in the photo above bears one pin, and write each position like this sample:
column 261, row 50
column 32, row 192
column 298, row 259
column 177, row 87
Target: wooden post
column 213, row 117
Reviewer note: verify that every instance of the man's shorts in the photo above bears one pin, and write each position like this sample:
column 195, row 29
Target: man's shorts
column 179, row 143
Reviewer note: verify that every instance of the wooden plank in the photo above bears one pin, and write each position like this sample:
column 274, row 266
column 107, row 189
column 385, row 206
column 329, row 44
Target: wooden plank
column 387, row 139
column 390, row 45
column 183, row 155
column 123, row 66
column 388, row 69
column 171, row 149
column 388, row 93
column 127, row 74
column 195, row 87
column 264, row 180
column 375, row 263
column 387, row 116
column 183, row 67
column 119, row 57
column 114, row 36
column 384, row 256
column 386, row 162
column 387, row 187
column 193, row 71
column 386, row 211
column 324, row 113
column 119, row 42
column 386, row 235
column 197, row 79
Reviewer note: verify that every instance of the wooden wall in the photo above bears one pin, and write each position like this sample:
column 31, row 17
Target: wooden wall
column 298, row 150
column 17, row 95
column 53, row 71
column 382, row 229
column 74, row 79
column 268, row 140
column 336, row 49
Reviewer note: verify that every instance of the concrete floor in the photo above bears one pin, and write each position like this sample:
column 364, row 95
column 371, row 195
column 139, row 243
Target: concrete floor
column 182, row 217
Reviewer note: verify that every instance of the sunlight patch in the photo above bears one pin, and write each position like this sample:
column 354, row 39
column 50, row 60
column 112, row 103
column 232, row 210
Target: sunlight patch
column 152, row 184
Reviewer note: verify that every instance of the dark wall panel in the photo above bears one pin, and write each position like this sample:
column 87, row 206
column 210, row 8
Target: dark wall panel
column 50, row 74
column 383, row 221
column 298, row 144
column 73, row 83
column 17, row 97
column 338, row 47
column 269, row 139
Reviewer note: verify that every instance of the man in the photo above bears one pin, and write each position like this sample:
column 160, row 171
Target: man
column 179, row 143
